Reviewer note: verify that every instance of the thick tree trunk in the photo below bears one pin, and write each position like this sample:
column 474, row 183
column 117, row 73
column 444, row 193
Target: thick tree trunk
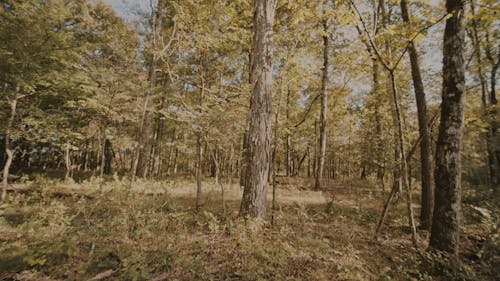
column 427, row 199
column 324, row 106
column 447, row 209
column 8, row 151
column 253, row 202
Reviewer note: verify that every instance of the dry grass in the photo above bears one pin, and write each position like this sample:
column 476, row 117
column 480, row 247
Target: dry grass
column 69, row 231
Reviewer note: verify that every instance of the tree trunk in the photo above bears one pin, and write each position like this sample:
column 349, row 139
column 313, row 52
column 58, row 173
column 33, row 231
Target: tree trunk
column 308, row 162
column 447, row 209
column 141, row 165
column 427, row 199
column 199, row 152
column 274, row 162
column 253, row 202
column 492, row 159
column 324, row 105
column 67, row 161
column 403, row 164
column 8, row 151
column 108, row 157
column 171, row 152
column 103, row 157
column 288, row 136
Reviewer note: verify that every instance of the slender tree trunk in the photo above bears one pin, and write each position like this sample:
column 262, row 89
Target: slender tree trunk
column 427, row 199
column 493, row 130
column 157, row 159
column 316, row 144
column 172, row 152
column 141, row 164
column 253, row 202
column 492, row 160
column 108, row 157
column 244, row 156
column 288, row 136
column 103, row 157
column 447, row 209
column 308, row 162
column 199, row 153
column 274, row 162
column 8, row 151
column 67, row 161
column 402, row 159
column 324, row 106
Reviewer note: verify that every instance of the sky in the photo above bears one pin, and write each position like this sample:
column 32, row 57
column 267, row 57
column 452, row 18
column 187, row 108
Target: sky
column 430, row 47
column 129, row 9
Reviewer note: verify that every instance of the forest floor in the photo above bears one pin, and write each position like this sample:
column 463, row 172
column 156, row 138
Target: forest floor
column 51, row 230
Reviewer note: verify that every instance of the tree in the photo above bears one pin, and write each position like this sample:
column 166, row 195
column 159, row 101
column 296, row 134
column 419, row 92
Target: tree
column 36, row 62
column 324, row 106
column 427, row 200
column 447, row 209
column 253, row 202
column 140, row 167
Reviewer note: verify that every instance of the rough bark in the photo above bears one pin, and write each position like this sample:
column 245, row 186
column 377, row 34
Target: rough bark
column 447, row 209
column 253, row 202
column 324, row 106
column 427, row 199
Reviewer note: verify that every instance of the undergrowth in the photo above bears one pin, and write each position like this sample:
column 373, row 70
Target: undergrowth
column 70, row 231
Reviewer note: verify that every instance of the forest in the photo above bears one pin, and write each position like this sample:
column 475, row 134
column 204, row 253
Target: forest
column 249, row 140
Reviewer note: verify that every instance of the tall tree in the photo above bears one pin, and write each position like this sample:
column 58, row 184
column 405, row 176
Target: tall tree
column 324, row 106
column 141, row 161
column 253, row 202
column 425, row 143
column 447, row 208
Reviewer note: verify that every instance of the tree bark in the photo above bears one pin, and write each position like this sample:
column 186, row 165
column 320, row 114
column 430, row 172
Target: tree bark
column 253, row 202
column 447, row 209
column 67, row 161
column 324, row 106
column 103, row 157
column 288, row 136
column 427, row 199
column 199, row 152
column 8, row 151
